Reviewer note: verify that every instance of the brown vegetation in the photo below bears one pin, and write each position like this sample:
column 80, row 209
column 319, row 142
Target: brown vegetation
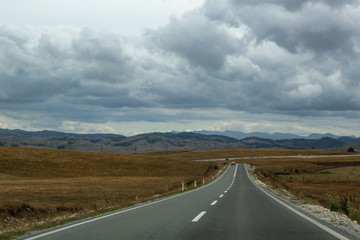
column 42, row 185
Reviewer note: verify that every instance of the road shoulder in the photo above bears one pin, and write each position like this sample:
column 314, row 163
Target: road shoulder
column 324, row 215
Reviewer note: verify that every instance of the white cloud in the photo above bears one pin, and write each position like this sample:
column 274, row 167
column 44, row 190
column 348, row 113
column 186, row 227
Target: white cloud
column 123, row 17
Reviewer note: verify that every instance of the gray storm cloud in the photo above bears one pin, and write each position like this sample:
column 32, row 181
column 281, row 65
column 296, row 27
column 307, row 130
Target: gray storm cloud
column 288, row 57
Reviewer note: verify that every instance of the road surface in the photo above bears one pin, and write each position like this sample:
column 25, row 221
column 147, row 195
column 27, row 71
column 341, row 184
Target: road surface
column 231, row 207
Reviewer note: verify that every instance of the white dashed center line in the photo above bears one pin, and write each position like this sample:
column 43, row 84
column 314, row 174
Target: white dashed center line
column 199, row 216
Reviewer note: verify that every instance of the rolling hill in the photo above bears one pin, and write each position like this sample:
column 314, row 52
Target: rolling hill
column 169, row 141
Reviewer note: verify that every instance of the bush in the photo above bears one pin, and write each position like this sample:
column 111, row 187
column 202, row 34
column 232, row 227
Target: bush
column 301, row 195
column 354, row 213
column 333, row 202
column 344, row 204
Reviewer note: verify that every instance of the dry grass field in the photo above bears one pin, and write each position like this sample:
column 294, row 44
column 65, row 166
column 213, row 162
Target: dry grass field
column 43, row 187
column 333, row 182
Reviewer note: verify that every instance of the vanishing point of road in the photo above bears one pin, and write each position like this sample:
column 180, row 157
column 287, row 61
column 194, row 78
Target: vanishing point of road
column 231, row 207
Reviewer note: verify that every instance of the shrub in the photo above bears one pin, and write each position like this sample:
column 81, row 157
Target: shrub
column 354, row 213
column 345, row 201
column 333, row 202
column 344, row 204
column 301, row 195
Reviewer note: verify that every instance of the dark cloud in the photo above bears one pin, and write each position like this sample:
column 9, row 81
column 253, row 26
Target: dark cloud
column 294, row 4
column 36, row 65
column 318, row 26
column 315, row 42
column 200, row 41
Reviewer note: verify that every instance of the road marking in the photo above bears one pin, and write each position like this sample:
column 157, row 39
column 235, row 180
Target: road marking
column 213, row 203
column 316, row 223
column 225, row 192
column 221, row 195
column 199, row 216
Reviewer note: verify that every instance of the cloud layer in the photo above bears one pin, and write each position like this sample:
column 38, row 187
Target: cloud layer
column 296, row 58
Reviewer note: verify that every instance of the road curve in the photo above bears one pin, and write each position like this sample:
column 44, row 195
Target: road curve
column 230, row 208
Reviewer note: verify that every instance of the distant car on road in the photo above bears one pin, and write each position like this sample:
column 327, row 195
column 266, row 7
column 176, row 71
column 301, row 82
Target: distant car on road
column 233, row 163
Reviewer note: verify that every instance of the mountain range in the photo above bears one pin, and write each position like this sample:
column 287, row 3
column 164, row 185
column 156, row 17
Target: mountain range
column 275, row 136
column 200, row 140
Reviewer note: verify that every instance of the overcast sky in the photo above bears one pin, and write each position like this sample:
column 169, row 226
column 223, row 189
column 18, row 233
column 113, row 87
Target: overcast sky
column 134, row 66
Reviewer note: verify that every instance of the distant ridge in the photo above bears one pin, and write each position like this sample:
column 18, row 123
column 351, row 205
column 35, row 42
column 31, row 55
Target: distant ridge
column 47, row 133
column 274, row 136
column 169, row 141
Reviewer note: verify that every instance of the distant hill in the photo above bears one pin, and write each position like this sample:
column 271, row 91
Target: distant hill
column 319, row 135
column 275, row 136
column 169, row 141
column 298, row 143
column 242, row 135
column 46, row 133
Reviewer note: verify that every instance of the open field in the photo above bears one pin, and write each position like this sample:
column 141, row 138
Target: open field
column 41, row 187
column 333, row 182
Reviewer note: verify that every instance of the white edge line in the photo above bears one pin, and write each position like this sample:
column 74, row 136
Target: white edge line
column 123, row 211
column 197, row 218
column 316, row 223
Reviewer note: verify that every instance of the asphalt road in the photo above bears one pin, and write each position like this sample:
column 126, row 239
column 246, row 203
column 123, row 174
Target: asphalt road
column 232, row 207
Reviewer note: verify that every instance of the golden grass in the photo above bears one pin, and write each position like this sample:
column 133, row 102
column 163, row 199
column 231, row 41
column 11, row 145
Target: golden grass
column 43, row 184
